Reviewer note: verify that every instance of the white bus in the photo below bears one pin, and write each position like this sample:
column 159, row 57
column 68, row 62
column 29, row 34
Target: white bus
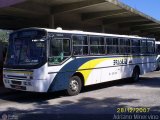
column 46, row 60
column 158, row 54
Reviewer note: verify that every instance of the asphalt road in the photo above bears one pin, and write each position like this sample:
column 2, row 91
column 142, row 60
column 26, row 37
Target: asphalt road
column 95, row 102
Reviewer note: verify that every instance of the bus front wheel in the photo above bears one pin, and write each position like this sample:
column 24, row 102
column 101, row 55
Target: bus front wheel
column 74, row 86
column 135, row 75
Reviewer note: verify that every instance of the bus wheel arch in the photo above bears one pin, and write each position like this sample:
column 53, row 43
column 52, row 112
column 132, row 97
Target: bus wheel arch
column 80, row 75
column 158, row 65
column 135, row 74
column 76, row 82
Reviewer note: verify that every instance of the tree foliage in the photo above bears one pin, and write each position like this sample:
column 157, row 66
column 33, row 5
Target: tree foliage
column 4, row 35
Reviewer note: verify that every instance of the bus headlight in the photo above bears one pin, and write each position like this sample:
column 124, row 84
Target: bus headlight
column 29, row 75
column 27, row 83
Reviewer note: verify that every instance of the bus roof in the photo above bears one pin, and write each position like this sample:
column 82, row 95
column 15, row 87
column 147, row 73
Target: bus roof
column 88, row 33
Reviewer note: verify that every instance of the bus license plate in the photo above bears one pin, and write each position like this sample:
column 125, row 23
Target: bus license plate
column 18, row 87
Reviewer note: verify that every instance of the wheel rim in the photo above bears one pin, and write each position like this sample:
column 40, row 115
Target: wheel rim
column 74, row 86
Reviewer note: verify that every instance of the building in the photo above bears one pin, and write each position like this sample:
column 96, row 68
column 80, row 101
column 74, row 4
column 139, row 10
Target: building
column 109, row 16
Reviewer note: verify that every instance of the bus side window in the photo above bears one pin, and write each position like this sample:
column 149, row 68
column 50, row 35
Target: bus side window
column 128, row 46
column 97, row 46
column 122, row 46
column 157, row 48
column 80, row 45
column 59, row 50
column 143, row 46
column 115, row 46
column 53, row 49
column 150, row 45
column 135, row 46
column 112, row 46
column 108, row 45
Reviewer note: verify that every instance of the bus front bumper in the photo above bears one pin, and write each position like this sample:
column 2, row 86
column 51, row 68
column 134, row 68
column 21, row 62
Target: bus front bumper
column 27, row 85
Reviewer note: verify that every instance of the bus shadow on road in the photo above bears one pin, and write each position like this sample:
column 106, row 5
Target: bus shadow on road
column 28, row 97
column 144, row 81
column 85, row 105
column 149, row 82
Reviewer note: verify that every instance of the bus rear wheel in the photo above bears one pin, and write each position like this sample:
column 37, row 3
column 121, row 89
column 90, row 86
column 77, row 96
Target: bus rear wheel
column 135, row 75
column 74, row 86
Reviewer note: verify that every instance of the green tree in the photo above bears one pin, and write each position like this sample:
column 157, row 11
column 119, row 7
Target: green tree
column 4, row 34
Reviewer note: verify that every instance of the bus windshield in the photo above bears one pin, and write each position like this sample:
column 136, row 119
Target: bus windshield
column 26, row 51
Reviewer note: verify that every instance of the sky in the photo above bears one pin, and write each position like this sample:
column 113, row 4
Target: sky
column 149, row 7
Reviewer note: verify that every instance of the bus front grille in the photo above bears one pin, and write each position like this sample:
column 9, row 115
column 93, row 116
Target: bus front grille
column 17, row 77
column 16, row 82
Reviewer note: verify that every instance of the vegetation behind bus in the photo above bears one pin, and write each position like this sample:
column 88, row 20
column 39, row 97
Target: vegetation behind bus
column 4, row 35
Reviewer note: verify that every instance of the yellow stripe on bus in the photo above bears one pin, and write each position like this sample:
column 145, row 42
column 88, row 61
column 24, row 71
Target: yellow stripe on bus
column 89, row 65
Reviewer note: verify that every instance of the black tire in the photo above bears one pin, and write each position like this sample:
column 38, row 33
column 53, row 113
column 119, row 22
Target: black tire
column 158, row 68
column 74, row 86
column 135, row 75
column 158, row 65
